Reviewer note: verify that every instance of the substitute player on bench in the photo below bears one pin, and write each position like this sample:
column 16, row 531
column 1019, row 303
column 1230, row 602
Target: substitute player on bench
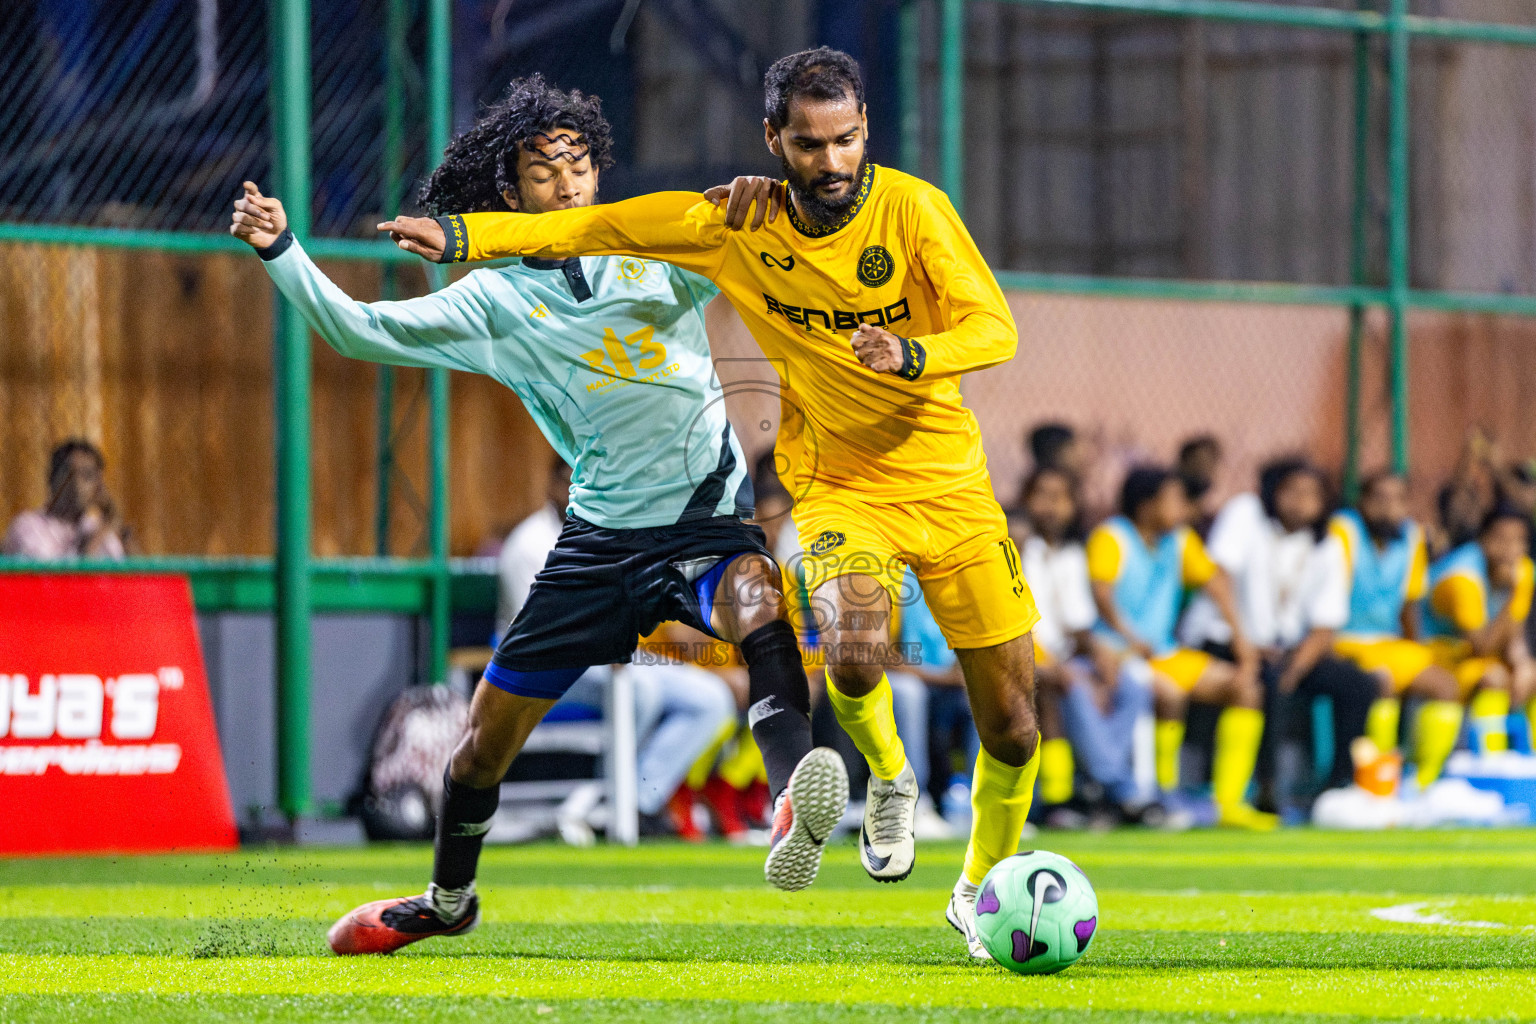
column 611, row 360
column 871, row 299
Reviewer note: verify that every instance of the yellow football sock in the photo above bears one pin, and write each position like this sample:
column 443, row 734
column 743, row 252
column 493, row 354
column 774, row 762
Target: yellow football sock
column 1056, row 770
column 1438, row 726
column 1381, row 722
column 1169, row 738
column 871, row 723
column 742, row 764
column 699, row 773
column 1000, row 799
column 1238, row 731
column 1490, row 711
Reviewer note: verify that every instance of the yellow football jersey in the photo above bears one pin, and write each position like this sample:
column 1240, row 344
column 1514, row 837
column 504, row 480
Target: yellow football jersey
column 900, row 259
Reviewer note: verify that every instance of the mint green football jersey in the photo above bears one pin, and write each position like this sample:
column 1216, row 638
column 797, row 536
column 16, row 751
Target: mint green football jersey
column 620, row 381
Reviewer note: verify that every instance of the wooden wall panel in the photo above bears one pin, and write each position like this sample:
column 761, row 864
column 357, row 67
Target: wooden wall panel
column 166, row 362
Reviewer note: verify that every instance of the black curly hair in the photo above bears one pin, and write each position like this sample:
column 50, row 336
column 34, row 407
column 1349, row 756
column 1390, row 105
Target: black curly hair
column 821, row 74
column 481, row 163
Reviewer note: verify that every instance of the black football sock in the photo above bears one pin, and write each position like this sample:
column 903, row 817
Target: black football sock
column 780, row 700
column 461, row 829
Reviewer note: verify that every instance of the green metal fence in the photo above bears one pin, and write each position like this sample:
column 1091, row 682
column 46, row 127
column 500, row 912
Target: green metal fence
column 1400, row 28
column 295, row 584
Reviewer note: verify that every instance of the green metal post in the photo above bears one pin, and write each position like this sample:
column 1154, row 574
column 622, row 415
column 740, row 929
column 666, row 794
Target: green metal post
column 1397, row 225
column 290, row 121
column 910, row 54
column 952, row 102
column 396, row 20
column 1357, row 257
column 439, row 126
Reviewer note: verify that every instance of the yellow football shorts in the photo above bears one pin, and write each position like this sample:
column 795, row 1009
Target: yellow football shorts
column 1182, row 667
column 956, row 544
column 1456, row 656
column 1403, row 660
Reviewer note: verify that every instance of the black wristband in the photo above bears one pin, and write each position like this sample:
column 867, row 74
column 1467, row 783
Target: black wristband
column 277, row 248
column 913, row 359
column 455, row 239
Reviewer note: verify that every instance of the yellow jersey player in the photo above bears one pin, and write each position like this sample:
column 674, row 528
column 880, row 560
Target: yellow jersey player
column 1479, row 599
column 871, row 299
column 1388, row 579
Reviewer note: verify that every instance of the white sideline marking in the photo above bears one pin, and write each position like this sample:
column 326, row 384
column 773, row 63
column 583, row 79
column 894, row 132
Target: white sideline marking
column 1413, row 913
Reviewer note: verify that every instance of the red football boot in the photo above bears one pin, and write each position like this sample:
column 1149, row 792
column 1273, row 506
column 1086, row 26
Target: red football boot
column 384, row 926
column 811, row 807
column 724, row 800
column 680, row 811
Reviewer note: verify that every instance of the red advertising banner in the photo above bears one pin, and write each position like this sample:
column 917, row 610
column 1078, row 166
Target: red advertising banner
column 107, row 741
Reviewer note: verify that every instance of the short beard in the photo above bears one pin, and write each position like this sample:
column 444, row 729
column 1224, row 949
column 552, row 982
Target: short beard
column 811, row 204
column 1383, row 533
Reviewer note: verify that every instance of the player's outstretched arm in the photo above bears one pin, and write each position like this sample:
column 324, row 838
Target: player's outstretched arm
column 677, row 227
column 450, row 328
column 981, row 330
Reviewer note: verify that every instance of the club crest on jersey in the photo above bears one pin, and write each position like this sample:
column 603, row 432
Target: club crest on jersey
column 787, row 263
column 828, row 541
column 876, row 266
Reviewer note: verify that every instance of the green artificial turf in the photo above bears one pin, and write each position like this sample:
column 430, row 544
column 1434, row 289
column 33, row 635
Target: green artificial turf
column 1297, row 926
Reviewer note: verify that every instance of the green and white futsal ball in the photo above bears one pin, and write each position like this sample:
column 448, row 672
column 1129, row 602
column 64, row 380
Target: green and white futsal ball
column 1036, row 912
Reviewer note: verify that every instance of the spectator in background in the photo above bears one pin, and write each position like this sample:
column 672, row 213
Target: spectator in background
column 1389, row 576
column 1461, row 505
column 1140, row 564
column 80, row 520
column 1090, row 698
column 1517, row 490
column 680, row 710
column 1474, row 488
column 1291, row 583
column 1479, row 599
column 1199, row 461
column 1056, row 446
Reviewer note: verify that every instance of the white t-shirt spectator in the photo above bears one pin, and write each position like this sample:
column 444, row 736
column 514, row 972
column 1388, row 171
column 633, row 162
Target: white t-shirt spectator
column 1286, row 584
column 523, row 554
column 43, row 537
column 1058, row 577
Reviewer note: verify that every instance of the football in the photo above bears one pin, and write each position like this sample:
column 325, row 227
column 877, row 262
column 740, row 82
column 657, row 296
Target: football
column 1036, row 912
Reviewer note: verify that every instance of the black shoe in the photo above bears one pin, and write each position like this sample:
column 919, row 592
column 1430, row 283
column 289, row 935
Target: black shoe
column 656, row 826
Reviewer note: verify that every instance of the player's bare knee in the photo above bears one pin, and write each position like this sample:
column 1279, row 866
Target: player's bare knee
column 1436, row 684
column 855, row 677
column 1495, row 678
column 474, row 764
column 1247, row 692
column 1169, row 703
column 1011, row 736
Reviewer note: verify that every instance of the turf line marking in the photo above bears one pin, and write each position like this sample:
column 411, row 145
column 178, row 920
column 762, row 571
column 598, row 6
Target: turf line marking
column 1413, row 913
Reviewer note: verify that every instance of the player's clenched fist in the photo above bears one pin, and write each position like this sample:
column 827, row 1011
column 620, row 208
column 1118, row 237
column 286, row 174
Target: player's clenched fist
column 877, row 348
column 420, row 235
column 257, row 220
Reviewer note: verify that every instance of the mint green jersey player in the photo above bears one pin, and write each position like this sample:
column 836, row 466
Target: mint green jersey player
column 608, row 354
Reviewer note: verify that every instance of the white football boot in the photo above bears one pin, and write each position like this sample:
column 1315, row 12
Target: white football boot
column 887, row 843
column 961, row 914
